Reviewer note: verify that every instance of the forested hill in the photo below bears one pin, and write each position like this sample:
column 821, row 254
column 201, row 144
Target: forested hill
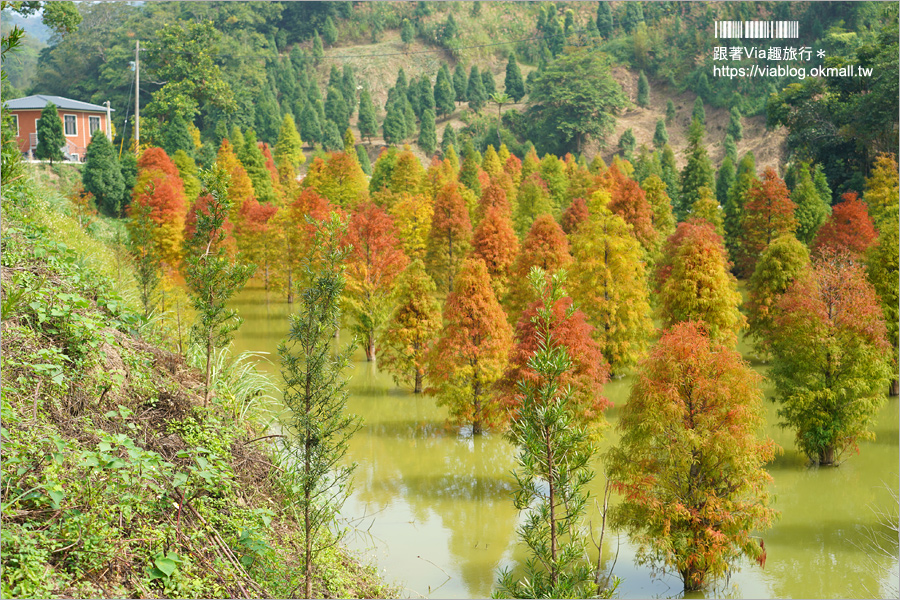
column 207, row 67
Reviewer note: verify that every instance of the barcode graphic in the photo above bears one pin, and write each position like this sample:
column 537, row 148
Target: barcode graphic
column 757, row 29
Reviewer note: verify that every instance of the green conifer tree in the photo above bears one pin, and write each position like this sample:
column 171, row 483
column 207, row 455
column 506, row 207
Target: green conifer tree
column 735, row 128
column 460, row 83
column 348, row 88
column 475, row 90
column 730, row 148
column 254, row 162
column 553, row 467
column 329, row 31
column 627, row 143
column 604, row 19
column 176, row 136
column 318, row 52
column 448, row 138
column 211, row 275
column 407, row 33
column 51, row 138
column 697, row 173
column 332, row 141
column 315, row 392
column 409, row 120
column 487, row 80
column 670, row 112
column 426, row 95
column 699, row 113
column 394, row 125
column 724, row 180
column 513, row 83
column 661, row 135
column 444, row 95
column 310, row 126
column 670, row 174
column 102, row 175
column 364, row 163
column 427, row 133
column 336, row 108
column 643, row 91
column 368, row 122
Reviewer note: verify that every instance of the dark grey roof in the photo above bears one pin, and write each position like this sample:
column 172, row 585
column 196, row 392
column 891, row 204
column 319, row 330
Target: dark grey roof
column 40, row 101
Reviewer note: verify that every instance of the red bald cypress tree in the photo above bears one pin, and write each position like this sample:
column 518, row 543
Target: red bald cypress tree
column 767, row 214
column 493, row 195
column 849, row 228
column 573, row 216
column 832, row 360
column 252, row 235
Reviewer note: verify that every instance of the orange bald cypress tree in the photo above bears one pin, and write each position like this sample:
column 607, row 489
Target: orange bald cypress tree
column 493, row 195
column 590, row 371
column 546, row 247
column 160, row 188
column 689, row 465
column 629, row 201
column 292, row 235
column 450, row 235
column 496, row 244
column 471, row 353
column 374, row 261
column 849, row 228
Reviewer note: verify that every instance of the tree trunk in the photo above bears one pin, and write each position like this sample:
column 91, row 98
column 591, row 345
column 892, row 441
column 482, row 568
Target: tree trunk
column 307, row 492
column 418, row 388
column 554, row 574
column 895, row 387
column 476, row 418
column 370, row 347
column 290, row 286
column 826, row 456
column 209, row 349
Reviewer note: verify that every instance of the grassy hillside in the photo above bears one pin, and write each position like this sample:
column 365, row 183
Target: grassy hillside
column 117, row 482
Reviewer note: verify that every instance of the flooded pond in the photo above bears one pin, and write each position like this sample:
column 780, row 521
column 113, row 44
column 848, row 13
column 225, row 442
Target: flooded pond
column 431, row 506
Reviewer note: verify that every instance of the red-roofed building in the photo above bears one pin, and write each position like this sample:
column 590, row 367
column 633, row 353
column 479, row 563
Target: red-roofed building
column 80, row 121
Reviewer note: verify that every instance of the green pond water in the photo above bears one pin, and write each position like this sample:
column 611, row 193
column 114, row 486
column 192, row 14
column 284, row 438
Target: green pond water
column 431, row 506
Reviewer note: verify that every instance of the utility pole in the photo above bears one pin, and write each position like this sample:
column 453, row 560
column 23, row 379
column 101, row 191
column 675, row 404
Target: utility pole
column 137, row 97
column 108, row 121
